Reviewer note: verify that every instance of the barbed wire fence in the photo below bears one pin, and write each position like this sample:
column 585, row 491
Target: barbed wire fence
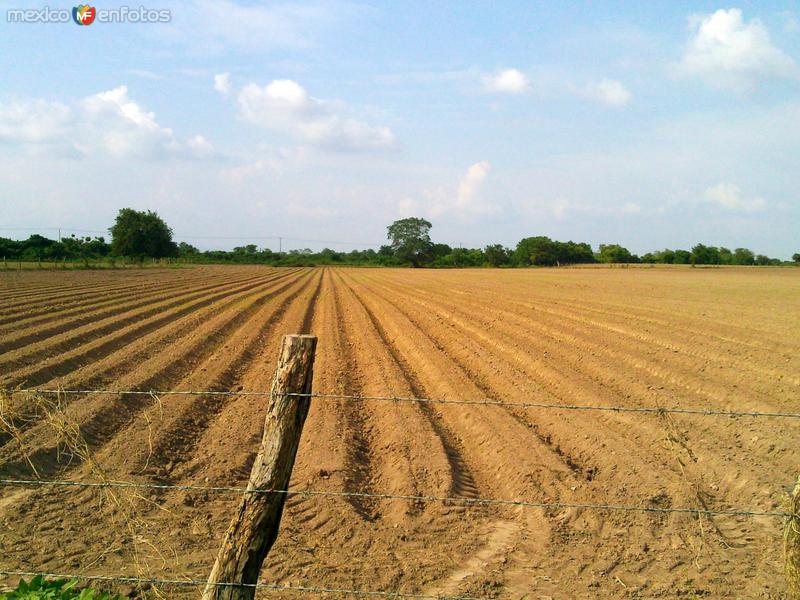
column 790, row 517
column 363, row 397
column 375, row 496
column 275, row 587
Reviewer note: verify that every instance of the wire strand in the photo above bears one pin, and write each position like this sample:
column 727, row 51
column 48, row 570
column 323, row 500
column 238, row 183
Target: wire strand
column 261, row 585
column 415, row 498
column 476, row 402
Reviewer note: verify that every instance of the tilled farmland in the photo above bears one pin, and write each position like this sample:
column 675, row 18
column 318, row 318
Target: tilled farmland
column 706, row 339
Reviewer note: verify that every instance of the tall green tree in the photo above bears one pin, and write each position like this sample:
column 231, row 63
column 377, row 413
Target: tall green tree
column 539, row 250
column 743, row 256
column 542, row 251
column 796, row 257
column 411, row 240
column 705, row 255
column 142, row 235
column 496, row 255
column 614, row 253
column 682, row 257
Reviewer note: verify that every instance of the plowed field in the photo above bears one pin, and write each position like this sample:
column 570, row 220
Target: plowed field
column 714, row 339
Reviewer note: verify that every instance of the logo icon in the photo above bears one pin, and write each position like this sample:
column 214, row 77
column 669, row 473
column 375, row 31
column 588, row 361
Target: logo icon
column 83, row 14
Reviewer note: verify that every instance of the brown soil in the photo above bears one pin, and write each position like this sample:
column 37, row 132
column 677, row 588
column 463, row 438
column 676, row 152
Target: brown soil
column 712, row 339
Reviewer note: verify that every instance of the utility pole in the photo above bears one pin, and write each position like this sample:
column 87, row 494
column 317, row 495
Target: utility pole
column 280, row 245
column 59, row 235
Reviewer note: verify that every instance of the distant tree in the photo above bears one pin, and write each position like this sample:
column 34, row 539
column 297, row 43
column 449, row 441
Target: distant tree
column 666, row 256
column 705, row 255
column 461, row 257
column 141, row 234
column 763, row 260
column 796, row 257
column 410, row 240
column 440, row 250
column 539, row 250
column 743, row 256
column 10, row 248
column 725, row 256
column 97, row 246
column 330, row 256
column 614, row 253
column 248, row 249
column 185, row 249
column 496, row 255
column 542, row 251
column 682, row 257
column 569, row 253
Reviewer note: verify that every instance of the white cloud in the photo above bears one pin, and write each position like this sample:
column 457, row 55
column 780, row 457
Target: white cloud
column 507, row 81
column 108, row 122
column 470, row 186
column 284, row 105
column 222, row 26
column 728, row 196
column 631, row 208
column 200, row 147
column 728, row 52
column 610, row 92
column 33, row 122
column 468, row 201
column 222, row 83
column 145, row 74
column 264, row 160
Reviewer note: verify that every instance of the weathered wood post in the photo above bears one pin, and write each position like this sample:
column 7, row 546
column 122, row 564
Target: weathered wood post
column 254, row 528
column 792, row 544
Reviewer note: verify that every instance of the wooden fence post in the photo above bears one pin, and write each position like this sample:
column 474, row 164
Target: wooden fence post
column 255, row 526
column 792, row 544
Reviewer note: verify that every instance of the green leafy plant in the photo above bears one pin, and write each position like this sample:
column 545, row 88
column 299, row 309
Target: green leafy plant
column 40, row 588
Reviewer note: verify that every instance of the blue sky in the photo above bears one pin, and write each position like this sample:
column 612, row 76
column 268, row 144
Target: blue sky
column 649, row 124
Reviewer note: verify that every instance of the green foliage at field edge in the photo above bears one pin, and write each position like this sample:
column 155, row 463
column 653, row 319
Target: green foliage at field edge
column 40, row 588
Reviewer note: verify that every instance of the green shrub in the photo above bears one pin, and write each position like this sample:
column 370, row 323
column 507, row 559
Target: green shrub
column 57, row 589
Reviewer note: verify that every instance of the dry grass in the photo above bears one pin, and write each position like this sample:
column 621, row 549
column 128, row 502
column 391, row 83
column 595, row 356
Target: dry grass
column 119, row 505
column 791, row 539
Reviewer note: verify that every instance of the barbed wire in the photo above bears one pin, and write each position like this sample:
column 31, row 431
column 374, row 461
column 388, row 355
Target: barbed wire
column 476, row 402
column 415, row 498
column 276, row 587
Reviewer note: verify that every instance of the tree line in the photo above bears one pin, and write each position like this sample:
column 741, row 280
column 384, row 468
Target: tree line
column 143, row 234
column 411, row 244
